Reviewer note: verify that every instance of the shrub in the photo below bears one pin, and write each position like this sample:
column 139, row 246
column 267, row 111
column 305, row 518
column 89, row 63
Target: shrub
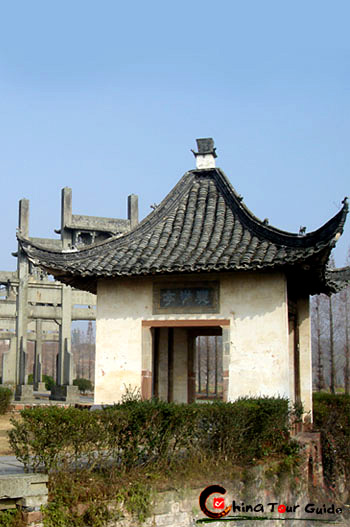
column 84, row 385
column 46, row 437
column 245, row 430
column 122, row 453
column 10, row 518
column 5, row 399
column 149, row 431
column 49, row 382
column 136, row 433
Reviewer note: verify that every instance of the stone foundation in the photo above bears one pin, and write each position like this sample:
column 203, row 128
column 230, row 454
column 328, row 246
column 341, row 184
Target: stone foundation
column 25, row 392
column 69, row 394
column 259, row 486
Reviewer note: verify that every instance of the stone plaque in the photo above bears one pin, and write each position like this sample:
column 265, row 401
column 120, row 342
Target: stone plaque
column 186, row 297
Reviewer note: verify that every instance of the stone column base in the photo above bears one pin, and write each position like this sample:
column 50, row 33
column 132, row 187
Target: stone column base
column 24, row 392
column 69, row 394
column 40, row 387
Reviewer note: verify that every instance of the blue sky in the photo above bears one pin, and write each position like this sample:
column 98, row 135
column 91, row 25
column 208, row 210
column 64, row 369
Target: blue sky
column 108, row 98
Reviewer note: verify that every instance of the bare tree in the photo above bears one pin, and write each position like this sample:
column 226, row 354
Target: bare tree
column 331, row 347
column 330, row 340
column 346, row 346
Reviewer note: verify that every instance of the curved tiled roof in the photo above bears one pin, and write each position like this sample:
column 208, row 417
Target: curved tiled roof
column 201, row 226
column 339, row 277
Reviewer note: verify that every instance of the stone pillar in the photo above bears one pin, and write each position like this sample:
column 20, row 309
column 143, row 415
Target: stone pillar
column 292, row 351
column 68, row 363
column 39, row 386
column 155, row 334
column 191, row 374
column 163, row 364
column 66, row 217
column 226, row 359
column 133, row 210
column 146, row 374
column 9, row 363
column 305, row 361
column 22, row 306
column 64, row 364
column 64, row 390
column 180, row 365
column 170, row 395
column 22, row 362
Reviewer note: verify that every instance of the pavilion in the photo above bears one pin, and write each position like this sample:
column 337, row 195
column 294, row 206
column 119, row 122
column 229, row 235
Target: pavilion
column 201, row 264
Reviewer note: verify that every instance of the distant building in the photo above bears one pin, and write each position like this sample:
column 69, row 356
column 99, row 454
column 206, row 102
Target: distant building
column 201, row 264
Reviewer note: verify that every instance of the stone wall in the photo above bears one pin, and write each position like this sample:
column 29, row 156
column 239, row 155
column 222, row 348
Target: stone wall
column 258, row 486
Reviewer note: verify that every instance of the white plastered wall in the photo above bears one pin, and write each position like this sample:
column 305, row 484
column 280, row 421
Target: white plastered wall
column 254, row 303
column 121, row 306
column 259, row 358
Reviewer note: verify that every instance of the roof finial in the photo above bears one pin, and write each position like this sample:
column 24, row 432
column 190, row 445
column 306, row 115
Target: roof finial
column 205, row 157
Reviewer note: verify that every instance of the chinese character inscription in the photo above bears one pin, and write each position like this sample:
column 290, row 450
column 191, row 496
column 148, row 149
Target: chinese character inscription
column 191, row 296
column 186, row 296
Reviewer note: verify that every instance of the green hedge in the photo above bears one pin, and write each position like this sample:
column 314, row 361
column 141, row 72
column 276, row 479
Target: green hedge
column 84, row 385
column 137, row 433
column 332, row 419
column 248, row 429
column 5, row 399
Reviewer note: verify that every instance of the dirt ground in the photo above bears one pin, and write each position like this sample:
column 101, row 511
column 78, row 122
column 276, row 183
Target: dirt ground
column 5, row 425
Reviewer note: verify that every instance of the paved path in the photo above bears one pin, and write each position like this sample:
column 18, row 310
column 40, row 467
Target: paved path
column 10, row 465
